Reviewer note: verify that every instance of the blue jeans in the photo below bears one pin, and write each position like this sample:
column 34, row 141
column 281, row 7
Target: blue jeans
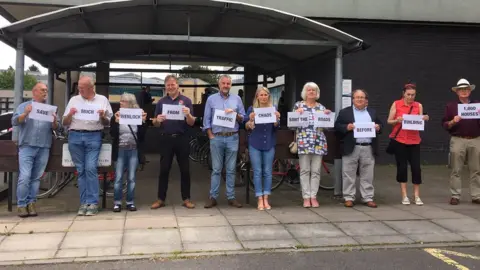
column 128, row 159
column 262, row 161
column 32, row 161
column 85, row 149
column 224, row 151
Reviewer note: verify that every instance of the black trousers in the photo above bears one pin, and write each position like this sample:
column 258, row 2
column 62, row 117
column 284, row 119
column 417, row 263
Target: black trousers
column 170, row 146
column 405, row 154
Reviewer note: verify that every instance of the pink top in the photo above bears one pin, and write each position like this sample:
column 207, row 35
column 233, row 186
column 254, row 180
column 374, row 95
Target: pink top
column 406, row 136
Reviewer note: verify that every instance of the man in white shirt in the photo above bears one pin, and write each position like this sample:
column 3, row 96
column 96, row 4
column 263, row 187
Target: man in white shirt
column 85, row 140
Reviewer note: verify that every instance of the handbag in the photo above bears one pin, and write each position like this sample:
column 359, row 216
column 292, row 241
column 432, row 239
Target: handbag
column 293, row 145
column 391, row 144
column 141, row 156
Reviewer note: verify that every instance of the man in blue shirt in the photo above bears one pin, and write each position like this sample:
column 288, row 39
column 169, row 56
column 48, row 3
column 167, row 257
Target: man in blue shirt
column 223, row 140
column 174, row 140
column 34, row 142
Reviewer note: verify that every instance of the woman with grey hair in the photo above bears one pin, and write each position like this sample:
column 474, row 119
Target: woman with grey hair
column 311, row 144
column 126, row 150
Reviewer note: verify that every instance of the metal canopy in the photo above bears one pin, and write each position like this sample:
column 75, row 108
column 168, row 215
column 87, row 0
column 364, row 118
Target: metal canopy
column 221, row 31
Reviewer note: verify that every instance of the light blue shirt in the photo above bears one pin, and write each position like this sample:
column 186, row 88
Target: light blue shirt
column 219, row 102
column 32, row 132
column 362, row 116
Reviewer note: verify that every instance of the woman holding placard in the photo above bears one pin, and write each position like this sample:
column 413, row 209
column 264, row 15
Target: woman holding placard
column 406, row 142
column 311, row 144
column 263, row 119
column 126, row 146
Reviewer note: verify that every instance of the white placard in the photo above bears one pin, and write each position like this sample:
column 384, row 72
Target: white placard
column 42, row 112
column 265, row 115
column 173, row 112
column 87, row 112
column 364, row 130
column 469, row 111
column 346, row 87
column 346, row 102
column 104, row 159
column 222, row 119
column 413, row 122
column 296, row 119
column 323, row 120
column 129, row 116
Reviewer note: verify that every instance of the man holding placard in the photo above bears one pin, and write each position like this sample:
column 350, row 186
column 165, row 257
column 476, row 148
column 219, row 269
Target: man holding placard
column 35, row 121
column 462, row 121
column 86, row 115
column 173, row 116
column 356, row 127
column 223, row 113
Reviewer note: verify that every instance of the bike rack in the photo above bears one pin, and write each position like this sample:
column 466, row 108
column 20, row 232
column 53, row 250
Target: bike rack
column 9, row 165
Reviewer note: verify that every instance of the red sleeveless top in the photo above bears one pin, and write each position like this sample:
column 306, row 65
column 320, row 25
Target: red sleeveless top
column 406, row 136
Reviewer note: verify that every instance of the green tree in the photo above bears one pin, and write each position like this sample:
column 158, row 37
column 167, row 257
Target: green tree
column 7, row 79
column 208, row 77
column 33, row 68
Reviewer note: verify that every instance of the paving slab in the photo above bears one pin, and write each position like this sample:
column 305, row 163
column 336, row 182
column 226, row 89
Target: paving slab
column 27, row 255
column 239, row 212
column 383, row 239
column 151, row 237
column 365, row 228
column 393, row 214
column 36, row 241
column 271, row 244
column 212, row 246
column 298, row 215
column 207, row 234
column 459, row 225
column 469, row 213
column 327, row 241
column 42, row 227
column 146, row 223
column 57, row 216
column 145, row 249
column 472, row 236
column 345, row 216
column 416, row 227
column 199, row 211
column 262, row 232
column 202, row 221
column 103, row 215
column 10, row 218
column 97, row 225
column 88, row 252
column 145, row 211
column 314, row 230
column 445, row 237
column 71, row 253
column 464, row 205
column 380, row 208
column 6, row 227
column 92, row 239
column 430, row 213
column 252, row 220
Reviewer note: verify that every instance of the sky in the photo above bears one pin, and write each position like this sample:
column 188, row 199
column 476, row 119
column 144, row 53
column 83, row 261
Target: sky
column 8, row 55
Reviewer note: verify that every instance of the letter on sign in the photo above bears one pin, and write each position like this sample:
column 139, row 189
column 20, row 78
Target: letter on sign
column 130, row 116
column 222, row 119
column 469, row 111
column 87, row 112
column 323, row 120
column 295, row 119
column 413, row 122
column 173, row 112
column 364, row 130
column 265, row 115
column 42, row 112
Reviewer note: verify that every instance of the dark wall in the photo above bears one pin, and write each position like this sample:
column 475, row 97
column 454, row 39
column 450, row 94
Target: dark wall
column 434, row 57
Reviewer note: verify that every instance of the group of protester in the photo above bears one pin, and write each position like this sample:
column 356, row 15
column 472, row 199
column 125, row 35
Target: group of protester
column 358, row 154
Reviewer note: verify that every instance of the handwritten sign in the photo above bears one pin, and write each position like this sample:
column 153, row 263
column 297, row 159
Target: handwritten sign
column 295, row 119
column 222, row 119
column 413, row 122
column 323, row 120
column 364, row 130
column 173, row 112
column 469, row 111
column 265, row 115
column 130, row 116
column 104, row 159
column 87, row 112
column 42, row 112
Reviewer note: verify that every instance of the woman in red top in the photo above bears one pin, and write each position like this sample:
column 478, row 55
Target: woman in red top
column 407, row 142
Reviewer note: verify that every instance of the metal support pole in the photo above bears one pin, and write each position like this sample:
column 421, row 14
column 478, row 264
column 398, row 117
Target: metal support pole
column 68, row 88
column 265, row 78
column 19, row 80
column 338, row 107
column 50, row 84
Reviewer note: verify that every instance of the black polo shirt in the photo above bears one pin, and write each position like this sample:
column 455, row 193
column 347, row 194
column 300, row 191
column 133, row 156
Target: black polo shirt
column 173, row 126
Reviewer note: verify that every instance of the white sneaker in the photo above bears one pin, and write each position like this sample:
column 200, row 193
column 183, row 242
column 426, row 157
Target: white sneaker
column 406, row 201
column 418, row 201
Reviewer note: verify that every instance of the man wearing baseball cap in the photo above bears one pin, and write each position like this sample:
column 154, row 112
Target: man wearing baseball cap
column 464, row 143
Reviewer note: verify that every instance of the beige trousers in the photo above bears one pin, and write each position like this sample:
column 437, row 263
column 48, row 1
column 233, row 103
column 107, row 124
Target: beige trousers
column 462, row 150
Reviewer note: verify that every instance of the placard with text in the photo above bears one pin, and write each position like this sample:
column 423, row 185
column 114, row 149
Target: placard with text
column 364, row 130
column 42, row 112
column 296, row 119
column 413, row 122
column 129, row 116
column 469, row 111
column 223, row 119
column 265, row 115
column 173, row 112
column 104, row 159
column 323, row 120
column 87, row 112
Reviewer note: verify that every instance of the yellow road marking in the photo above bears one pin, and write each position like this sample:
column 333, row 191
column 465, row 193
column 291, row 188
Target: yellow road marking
column 458, row 254
column 437, row 253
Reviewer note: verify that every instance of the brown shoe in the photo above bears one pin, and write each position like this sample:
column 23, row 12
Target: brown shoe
column 476, row 201
column 210, row 203
column 235, row 203
column 348, row 204
column 157, row 204
column 454, row 201
column 22, row 212
column 188, row 204
column 32, row 211
column 371, row 204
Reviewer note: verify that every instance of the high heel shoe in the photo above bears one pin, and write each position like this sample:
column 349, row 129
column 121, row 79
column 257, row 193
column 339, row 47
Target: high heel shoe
column 265, row 202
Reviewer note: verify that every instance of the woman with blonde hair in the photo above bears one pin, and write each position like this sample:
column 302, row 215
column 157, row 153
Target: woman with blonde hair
column 311, row 144
column 261, row 147
column 126, row 148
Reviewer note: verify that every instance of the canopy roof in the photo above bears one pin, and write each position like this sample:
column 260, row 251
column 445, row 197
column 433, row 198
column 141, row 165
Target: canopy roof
column 175, row 30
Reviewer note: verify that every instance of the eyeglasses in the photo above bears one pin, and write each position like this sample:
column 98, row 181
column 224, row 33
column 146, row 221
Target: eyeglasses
column 359, row 98
column 44, row 90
